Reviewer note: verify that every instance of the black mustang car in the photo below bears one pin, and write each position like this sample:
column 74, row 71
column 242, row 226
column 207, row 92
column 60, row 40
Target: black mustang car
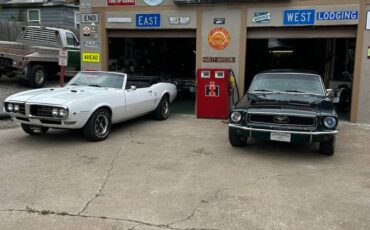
column 288, row 106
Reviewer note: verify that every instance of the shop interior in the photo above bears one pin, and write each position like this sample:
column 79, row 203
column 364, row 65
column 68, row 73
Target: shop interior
column 171, row 59
column 332, row 58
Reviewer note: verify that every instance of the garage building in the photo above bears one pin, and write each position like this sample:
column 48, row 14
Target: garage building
column 174, row 38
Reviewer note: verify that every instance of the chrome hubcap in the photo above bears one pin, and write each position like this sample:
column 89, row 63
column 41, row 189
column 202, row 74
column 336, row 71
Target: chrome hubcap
column 165, row 108
column 101, row 125
column 39, row 76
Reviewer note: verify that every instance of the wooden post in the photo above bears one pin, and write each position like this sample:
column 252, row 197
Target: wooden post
column 62, row 74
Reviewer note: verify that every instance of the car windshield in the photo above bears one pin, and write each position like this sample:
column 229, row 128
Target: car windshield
column 287, row 83
column 98, row 79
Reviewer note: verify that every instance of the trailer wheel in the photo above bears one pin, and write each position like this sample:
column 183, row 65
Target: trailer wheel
column 37, row 76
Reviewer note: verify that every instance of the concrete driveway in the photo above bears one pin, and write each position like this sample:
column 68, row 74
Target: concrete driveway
column 181, row 174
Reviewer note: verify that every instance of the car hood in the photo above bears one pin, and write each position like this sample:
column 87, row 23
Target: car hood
column 57, row 96
column 286, row 101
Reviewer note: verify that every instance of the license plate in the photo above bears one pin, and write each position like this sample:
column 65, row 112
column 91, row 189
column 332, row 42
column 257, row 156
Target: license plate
column 285, row 137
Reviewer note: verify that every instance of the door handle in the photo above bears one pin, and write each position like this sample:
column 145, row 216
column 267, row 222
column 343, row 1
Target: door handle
column 150, row 91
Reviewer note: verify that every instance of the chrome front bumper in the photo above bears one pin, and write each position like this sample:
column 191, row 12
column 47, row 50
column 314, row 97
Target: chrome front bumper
column 313, row 133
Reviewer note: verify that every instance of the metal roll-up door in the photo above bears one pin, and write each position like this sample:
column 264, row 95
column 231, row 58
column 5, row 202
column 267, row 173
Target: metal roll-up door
column 302, row 32
column 152, row 33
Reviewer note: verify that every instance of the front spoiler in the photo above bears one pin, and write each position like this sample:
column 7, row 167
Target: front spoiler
column 314, row 133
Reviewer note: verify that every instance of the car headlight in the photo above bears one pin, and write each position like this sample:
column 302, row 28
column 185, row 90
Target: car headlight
column 236, row 117
column 330, row 122
column 16, row 108
column 10, row 107
column 55, row 112
column 62, row 112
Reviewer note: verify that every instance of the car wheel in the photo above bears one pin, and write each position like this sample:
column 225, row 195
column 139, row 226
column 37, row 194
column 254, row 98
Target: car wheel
column 37, row 76
column 98, row 126
column 162, row 112
column 327, row 147
column 237, row 140
column 34, row 130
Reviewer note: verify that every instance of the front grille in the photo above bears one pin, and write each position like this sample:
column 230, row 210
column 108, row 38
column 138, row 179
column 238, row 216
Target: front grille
column 41, row 110
column 276, row 119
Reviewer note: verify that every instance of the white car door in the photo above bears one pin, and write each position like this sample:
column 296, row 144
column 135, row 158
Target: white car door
column 138, row 101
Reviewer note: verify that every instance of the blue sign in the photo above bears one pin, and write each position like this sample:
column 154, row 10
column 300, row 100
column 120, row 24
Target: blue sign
column 337, row 15
column 148, row 20
column 299, row 17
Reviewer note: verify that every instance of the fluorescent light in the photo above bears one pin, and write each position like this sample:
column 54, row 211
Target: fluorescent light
column 282, row 51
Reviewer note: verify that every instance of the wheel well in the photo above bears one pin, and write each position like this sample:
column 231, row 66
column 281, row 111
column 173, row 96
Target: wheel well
column 166, row 95
column 50, row 67
column 105, row 107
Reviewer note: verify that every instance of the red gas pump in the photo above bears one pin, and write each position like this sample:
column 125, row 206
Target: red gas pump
column 213, row 93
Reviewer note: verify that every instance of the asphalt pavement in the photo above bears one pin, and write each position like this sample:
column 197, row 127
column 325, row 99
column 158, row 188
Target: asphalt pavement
column 181, row 174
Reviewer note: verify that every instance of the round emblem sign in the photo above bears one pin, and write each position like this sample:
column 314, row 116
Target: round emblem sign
column 219, row 38
column 86, row 31
column 153, row 2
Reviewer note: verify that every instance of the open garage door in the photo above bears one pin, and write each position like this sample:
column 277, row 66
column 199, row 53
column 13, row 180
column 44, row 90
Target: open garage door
column 168, row 54
column 329, row 51
column 302, row 32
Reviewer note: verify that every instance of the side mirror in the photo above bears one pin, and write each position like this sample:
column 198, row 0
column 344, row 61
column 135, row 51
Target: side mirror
column 133, row 87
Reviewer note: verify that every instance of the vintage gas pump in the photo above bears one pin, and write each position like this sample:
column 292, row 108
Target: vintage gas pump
column 213, row 99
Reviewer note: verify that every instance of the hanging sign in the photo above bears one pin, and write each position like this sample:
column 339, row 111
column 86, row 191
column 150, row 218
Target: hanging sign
column 219, row 21
column 337, row 15
column 153, row 2
column 148, row 20
column 218, row 38
column 299, row 17
column 86, row 31
column 219, row 59
column 91, row 57
column 262, row 17
column 88, row 18
column 121, row 2
column 179, row 20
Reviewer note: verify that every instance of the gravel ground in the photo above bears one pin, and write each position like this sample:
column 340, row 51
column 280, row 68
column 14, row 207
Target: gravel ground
column 9, row 86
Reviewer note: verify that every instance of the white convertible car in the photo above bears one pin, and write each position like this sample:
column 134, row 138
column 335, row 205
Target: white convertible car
column 91, row 101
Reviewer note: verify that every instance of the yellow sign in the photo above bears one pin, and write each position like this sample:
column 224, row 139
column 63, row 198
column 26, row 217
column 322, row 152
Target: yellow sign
column 368, row 53
column 91, row 57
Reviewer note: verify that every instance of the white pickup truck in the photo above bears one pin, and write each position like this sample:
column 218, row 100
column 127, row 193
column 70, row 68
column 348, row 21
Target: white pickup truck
column 34, row 56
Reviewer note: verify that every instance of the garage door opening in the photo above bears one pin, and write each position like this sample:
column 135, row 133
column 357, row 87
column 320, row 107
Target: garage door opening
column 333, row 58
column 172, row 59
